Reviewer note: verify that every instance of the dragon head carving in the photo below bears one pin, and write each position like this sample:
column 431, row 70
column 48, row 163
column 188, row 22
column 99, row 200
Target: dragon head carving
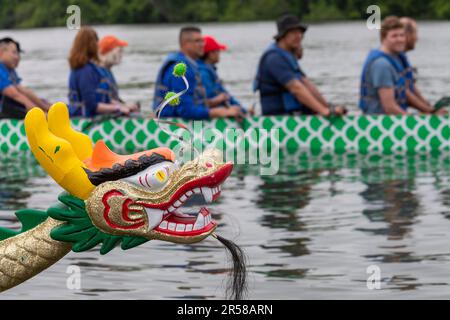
column 147, row 203
column 138, row 195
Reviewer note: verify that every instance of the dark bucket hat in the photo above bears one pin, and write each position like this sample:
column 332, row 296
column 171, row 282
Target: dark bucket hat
column 287, row 23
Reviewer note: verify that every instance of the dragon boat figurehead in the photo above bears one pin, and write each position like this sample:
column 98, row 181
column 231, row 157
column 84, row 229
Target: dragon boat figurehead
column 138, row 195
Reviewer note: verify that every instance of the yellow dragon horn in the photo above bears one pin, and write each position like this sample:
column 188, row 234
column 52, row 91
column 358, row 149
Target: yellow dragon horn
column 59, row 125
column 57, row 155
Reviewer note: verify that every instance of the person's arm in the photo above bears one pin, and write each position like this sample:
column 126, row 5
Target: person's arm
column 280, row 70
column 33, row 97
column 419, row 95
column 313, row 89
column 13, row 93
column 113, row 107
column 234, row 111
column 383, row 79
column 218, row 100
column 388, row 102
column 416, row 102
column 301, row 92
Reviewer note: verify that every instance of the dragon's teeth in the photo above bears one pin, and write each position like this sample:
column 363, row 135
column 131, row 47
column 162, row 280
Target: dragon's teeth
column 183, row 198
column 177, row 204
column 180, row 227
column 197, row 190
column 163, row 225
column 189, row 227
column 154, row 217
column 172, row 226
column 189, row 193
column 200, row 223
column 207, row 194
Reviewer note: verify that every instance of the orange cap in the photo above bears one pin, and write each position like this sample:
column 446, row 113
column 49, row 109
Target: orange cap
column 107, row 43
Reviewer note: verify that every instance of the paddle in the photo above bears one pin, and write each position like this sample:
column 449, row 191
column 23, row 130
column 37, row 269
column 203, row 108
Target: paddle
column 441, row 103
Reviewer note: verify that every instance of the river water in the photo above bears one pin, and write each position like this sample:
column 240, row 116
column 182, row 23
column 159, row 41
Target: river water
column 311, row 232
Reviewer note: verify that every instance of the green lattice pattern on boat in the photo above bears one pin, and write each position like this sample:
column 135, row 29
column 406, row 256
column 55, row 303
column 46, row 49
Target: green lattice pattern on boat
column 414, row 133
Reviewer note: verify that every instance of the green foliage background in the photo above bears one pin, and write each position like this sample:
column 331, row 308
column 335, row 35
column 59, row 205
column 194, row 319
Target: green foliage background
column 45, row 13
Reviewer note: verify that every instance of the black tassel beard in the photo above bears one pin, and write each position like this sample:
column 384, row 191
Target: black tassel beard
column 237, row 282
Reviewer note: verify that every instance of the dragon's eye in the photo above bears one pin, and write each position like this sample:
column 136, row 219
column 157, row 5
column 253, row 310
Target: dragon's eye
column 154, row 177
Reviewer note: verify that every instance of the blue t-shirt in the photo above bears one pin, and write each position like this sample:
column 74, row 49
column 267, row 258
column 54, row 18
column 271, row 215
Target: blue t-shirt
column 275, row 72
column 8, row 77
column 380, row 74
column 83, row 85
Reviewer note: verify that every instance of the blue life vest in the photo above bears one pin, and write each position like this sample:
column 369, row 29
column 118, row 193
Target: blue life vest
column 400, row 85
column 408, row 70
column 212, row 83
column 162, row 88
column 290, row 102
column 104, row 92
column 109, row 85
column 9, row 77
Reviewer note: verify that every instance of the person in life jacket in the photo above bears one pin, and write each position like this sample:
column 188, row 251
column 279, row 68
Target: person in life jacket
column 384, row 80
column 283, row 87
column 110, row 54
column 216, row 94
column 193, row 104
column 414, row 94
column 15, row 98
column 88, row 82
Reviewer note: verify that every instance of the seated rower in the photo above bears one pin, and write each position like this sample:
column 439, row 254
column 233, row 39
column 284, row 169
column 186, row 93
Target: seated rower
column 216, row 94
column 15, row 98
column 89, row 94
column 193, row 104
column 387, row 80
column 110, row 54
column 282, row 85
column 414, row 94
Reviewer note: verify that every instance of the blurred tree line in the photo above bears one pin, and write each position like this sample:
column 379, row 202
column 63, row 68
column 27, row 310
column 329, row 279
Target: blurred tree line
column 45, row 13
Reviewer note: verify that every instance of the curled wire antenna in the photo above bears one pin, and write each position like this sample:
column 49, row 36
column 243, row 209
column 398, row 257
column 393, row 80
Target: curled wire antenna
column 173, row 99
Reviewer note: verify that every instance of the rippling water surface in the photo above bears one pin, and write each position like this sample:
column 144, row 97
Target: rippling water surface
column 309, row 232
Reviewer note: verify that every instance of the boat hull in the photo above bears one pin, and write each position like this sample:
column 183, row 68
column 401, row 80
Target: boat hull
column 412, row 133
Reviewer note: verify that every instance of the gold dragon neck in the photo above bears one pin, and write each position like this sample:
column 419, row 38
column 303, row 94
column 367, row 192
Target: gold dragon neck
column 29, row 253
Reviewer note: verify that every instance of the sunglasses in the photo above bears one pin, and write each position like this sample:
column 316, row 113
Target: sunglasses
column 198, row 41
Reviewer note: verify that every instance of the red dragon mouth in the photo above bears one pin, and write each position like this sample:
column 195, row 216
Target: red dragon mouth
column 166, row 218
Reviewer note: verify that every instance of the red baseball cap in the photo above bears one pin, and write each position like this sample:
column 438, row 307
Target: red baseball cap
column 107, row 43
column 211, row 44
